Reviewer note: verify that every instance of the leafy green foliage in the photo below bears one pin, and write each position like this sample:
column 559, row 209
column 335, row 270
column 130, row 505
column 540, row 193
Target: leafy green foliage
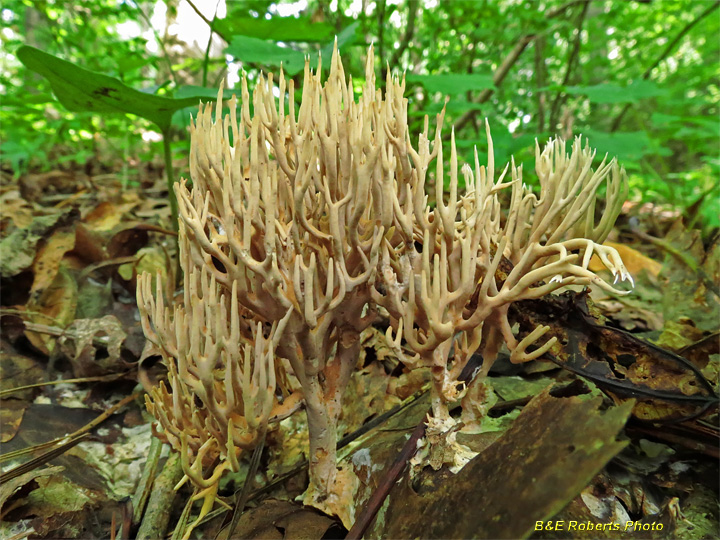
column 277, row 29
column 81, row 90
column 638, row 79
column 451, row 84
column 612, row 93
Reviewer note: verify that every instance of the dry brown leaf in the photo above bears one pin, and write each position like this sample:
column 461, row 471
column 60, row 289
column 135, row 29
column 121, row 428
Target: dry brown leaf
column 58, row 302
column 558, row 443
column 279, row 520
column 80, row 340
column 9, row 487
column 106, row 215
column 11, row 414
column 48, row 258
column 634, row 261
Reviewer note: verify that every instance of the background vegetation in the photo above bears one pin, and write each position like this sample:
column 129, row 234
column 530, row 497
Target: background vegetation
column 639, row 78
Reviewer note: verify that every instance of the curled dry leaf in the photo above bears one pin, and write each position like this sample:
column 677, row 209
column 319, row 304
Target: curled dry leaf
column 82, row 339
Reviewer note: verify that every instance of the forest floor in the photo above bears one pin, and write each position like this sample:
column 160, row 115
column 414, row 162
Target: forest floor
column 624, row 435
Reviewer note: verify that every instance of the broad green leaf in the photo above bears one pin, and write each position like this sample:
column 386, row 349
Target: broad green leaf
column 660, row 119
column 613, row 93
column 453, row 83
column 626, row 147
column 267, row 53
column 79, row 89
column 197, row 92
column 346, row 37
column 275, row 29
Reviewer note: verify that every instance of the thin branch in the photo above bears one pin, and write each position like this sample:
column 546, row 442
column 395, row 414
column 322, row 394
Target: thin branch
column 509, row 61
column 498, row 78
column 199, row 13
column 381, row 31
column 409, row 32
column 166, row 55
column 207, row 21
column 571, row 63
column 206, row 60
column 664, row 55
column 540, row 81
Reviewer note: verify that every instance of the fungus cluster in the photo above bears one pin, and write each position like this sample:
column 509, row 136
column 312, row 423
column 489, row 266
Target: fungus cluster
column 304, row 225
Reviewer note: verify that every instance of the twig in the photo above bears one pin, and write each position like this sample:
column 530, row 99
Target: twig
column 157, row 516
column 665, row 54
column 408, row 35
column 206, row 60
column 100, row 378
column 571, row 63
column 380, row 10
column 386, row 483
column 498, row 78
column 206, row 20
column 40, row 460
column 145, row 485
column 540, row 81
column 504, row 68
column 63, row 440
column 243, row 494
column 166, row 55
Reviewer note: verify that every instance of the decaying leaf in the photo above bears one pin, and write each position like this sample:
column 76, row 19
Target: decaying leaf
column 11, row 414
column 106, row 215
column 47, row 261
column 666, row 386
column 19, row 370
column 8, row 488
column 558, row 442
column 280, row 520
column 57, row 304
column 80, row 342
column 17, row 250
column 691, row 273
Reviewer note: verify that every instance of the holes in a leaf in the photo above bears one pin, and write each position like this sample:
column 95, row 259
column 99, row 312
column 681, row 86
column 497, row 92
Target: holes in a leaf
column 625, row 360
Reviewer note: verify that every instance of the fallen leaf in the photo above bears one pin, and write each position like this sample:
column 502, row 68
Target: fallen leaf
column 17, row 250
column 19, row 370
column 664, row 385
column 634, row 261
column 11, row 414
column 280, row 520
column 9, row 487
column 47, row 261
column 106, row 215
column 80, row 342
column 558, row 442
column 57, row 303
column 691, row 273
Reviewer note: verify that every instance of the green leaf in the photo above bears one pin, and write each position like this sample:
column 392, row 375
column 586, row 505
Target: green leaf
column 627, row 146
column 660, row 119
column 79, row 89
column 453, row 83
column 346, row 37
column 267, row 53
column 197, row 93
column 275, row 29
column 613, row 93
